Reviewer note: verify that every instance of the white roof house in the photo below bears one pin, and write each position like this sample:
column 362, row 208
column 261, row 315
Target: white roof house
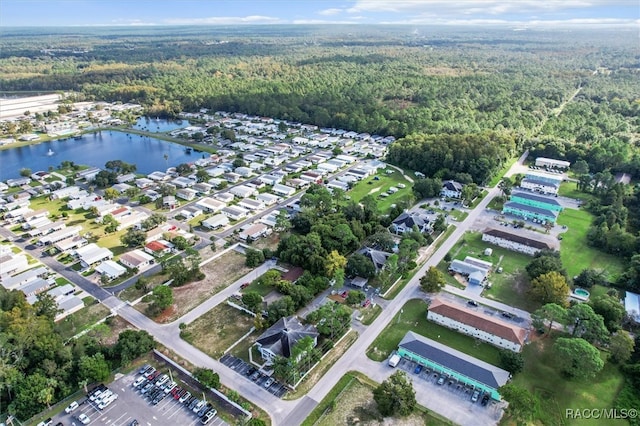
column 216, row 221
column 60, row 235
column 92, row 253
column 111, row 269
column 242, row 191
column 69, row 304
column 235, row 212
column 268, row 199
column 136, row 259
column 283, row 190
column 11, row 283
column 210, row 205
column 250, row 204
column 254, row 232
column 186, row 193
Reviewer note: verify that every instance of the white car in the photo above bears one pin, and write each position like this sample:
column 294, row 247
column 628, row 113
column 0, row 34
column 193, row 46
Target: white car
column 84, row 419
column 163, row 379
column 104, row 396
column 105, row 403
column 71, row 407
column 138, row 381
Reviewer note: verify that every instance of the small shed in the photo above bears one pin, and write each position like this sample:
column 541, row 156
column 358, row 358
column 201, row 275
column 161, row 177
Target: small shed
column 488, row 251
column 359, row 282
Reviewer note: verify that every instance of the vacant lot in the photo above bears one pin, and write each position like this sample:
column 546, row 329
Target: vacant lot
column 576, row 254
column 351, row 402
column 413, row 317
column 218, row 329
column 555, row 393
column 83, row 319
column 219, row 273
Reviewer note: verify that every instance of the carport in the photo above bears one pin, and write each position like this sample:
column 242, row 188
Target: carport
column 456, row 365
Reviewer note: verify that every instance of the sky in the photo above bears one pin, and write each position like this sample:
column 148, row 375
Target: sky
column 38, row 13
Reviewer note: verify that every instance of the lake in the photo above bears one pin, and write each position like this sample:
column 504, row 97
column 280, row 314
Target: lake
column 96, row 149
column 156, row 125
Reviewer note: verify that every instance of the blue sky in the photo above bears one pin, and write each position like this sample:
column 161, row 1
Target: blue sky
column 235, row 12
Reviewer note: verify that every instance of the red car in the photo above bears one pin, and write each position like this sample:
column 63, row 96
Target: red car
column 366, row 303
column 344, row 294
column 245, row 285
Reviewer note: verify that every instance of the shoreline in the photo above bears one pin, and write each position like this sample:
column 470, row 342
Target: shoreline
column 161, row 136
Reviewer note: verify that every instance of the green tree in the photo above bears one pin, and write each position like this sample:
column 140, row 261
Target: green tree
column 551, row 312
column 253, row 257
column 47, row 306
column 131, row 344
column 395, row 396
column 577, row 358
column 506, row 186
column 511, row 361
column 355, row 297
column 331, row 319
column 207, row 377
column 545, row 261
column 26, row 172
column 433, row 280
column 580, row 167
column 111, row 194
column 590, row 277
column 621, row 347
column 252, row 300
column 586, row 323
column 334, row 262
column 281, row 308
column 522, row 403
column 359, row 265
column 550, row 287
column 93, row 368
column 133, row 238
column 162, row 297
column 611, row 310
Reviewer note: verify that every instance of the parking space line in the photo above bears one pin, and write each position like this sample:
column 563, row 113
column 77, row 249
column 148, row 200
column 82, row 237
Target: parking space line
column 120, row 417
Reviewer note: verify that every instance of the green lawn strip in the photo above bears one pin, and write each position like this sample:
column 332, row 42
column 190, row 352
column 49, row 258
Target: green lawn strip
column 81, row 320
column 556, row 393
column 329, row 399
column 381, row 186
column 241, row 350
column 479, row 198
column 498, row 176
column 413, row 317
column 370, row 314
column 259, row 287
column 576, row 254
column 62, row 281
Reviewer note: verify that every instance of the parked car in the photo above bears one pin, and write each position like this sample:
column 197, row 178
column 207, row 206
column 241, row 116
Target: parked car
column 203, row 410
column 366, row 303
column 507, row 315
column 255, row 376
column 244, row 285
column 138, row 381
column 150, row 373
column 441, row 381
column 134, row 422
column 475, row 396
column 107, row 401
column 185, row 397
column 418, row 369
column 485, row 399
column 344, row 294
column 84, row 419
column 193, row 403
column 472, row 303
column 47, row 422
column 144, row 369
column 71, row 407
column 171, row 386
column 162, row 380
column 198, row 406
column 269, row 382
column 208, row 416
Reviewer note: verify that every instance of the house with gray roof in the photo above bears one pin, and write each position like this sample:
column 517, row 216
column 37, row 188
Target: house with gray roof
column 281, row 337
column 406, row 221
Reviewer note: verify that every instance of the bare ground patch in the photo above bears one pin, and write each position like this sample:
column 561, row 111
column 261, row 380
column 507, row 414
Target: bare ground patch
column 217, row 330
column 355, row 405
column 219, row 273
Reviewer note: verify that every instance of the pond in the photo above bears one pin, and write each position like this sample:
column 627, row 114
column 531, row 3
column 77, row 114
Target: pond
column 95, row 149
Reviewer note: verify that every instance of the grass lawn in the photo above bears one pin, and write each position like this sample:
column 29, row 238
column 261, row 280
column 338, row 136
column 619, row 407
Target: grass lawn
column 218, row 329
column 376, row 187
column 570, row 189
column 259, row 287
column 241, row 350
column 555, row 393
column 352, row 397
column 413, row 317
column 370, row 314
column 576, row 255
column 509, row 286
column 81, row 320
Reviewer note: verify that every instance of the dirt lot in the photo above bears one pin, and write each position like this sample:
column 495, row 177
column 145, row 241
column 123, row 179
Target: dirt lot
column 218, row 329
column 355, row 405
column 219, row 274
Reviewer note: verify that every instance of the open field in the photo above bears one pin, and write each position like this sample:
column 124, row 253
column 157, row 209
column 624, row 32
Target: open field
column 576, row 254
column 376, row 187
column 218, row 329
column 413, row 317
column 352, row 398
column 570, row 189
column 556, row 393
column 81, row 320
column 219, row 273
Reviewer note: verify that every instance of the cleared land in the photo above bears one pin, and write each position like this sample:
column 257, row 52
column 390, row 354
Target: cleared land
column 555, row 392
column 81, row 320
column 351, row 402
column 217, row 330
column 380, row 186
column 219, row 273
column 576, row 254
column 413, row 317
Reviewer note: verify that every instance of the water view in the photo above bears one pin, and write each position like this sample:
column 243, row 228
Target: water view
column 159, row 125
column 95, row 150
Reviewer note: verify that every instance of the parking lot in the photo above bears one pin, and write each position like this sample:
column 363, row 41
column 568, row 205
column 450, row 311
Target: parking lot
column 251, row 373
column 130, row 406
column 451, row 396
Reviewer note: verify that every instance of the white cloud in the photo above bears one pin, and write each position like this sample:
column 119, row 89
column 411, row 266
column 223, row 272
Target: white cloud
column 594, row 22
column 225, row 20
column 325, row 22
column 330, row 12
column 491, row 7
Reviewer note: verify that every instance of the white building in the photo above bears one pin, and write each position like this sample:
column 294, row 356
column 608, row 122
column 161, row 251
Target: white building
column 254, row 232
column 477, row 325
column 136, row 259
column 60, row 235
column 210, row 205
column 514, row 242
column 111, row 269
column 235, row 212
column 92, row 253
column 551, row 163
column 216, row 221
column 283, row 190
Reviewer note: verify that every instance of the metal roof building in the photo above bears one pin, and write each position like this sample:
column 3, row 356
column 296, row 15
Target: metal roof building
column 457, row 365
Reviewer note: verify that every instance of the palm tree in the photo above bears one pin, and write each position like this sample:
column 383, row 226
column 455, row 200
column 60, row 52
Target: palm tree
column 166, row 160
